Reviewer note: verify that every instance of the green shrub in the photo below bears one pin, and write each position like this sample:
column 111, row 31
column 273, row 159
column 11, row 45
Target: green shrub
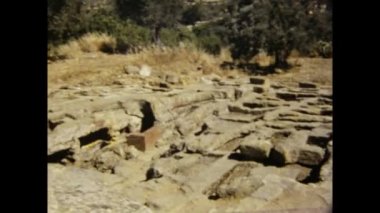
column 210, row 43
column 324, row 49
column 275, row 26
column 128, row 34
column 69, row 24
column 169, row 37
column 212, row 29
column 65, row 21
column 172, row 36
column 193, row 14
column 210, row 37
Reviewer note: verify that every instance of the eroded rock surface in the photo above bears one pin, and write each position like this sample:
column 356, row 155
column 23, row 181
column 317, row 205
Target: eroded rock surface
column 237, row 145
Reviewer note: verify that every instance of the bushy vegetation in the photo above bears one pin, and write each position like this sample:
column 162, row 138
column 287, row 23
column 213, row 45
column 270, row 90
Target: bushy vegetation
column 247, row 27
column 91, row 42
column 277, row 27
column 69, row 24
column 193, row 13
column 64, row 22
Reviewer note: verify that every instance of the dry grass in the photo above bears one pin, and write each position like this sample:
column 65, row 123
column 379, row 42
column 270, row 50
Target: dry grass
column 317, row 70
column 263, row 60
column 86, row 65
column 91, row 42
column 69, row 50
column 177, row 60
column 97, row 68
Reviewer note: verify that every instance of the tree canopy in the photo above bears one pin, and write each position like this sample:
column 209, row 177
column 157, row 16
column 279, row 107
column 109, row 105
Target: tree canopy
column 275, row 26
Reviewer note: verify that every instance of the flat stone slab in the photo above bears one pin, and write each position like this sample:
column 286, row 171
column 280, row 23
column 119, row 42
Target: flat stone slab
column 307, row 85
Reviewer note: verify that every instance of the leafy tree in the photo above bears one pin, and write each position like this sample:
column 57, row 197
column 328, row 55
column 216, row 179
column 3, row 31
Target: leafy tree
column 64, row 20
column 276, row 26
column 128, row 34
column 193, row 13
column 131, row 9
column 54, row 6
column 159, row 14
column 210, row 43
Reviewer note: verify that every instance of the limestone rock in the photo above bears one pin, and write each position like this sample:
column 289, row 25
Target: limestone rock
column 173, row 79
column 73, row 189
column 320, row 136
column 132, row 152
column 307, row 85
column 287, row 145
column 106, row 161
column 115, row 119
column 65, row 134
column 254, row 148
column 287, row 96
column 327, row 169
column 238, row 141
column 130, row 69
column 145, row 71
column 284, row 154
column 310, row 155
column 257, row 80
column 273, row 187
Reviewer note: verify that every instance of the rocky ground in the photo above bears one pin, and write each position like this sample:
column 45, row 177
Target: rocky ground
column 224, row 144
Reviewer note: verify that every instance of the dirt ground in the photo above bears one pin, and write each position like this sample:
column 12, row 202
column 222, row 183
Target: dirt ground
column 317, row 70
column 101, row 69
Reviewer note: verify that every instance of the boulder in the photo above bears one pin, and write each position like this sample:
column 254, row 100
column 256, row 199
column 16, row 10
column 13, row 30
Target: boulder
column 66, row 135
column 130, row 69
column 145, row 71
column 115, row 119
column 284, row 153
column 256, row 149
column 172, row 79
column 310, row 155
column 106, row 161
column 320, row 136
column 287, row 146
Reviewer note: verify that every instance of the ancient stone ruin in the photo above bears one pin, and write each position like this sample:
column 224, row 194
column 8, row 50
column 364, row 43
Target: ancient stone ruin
column 234, row 145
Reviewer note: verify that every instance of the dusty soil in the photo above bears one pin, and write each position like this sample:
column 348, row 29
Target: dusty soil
column 317, row 70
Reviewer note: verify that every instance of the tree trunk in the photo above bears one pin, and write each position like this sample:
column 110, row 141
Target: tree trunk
column 156, row 35
column 280, row 57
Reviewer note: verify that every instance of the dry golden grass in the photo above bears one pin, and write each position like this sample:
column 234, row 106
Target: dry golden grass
column 263, row 60
column 97, row 68
column 69, row 50
column 91, row 42
column 86, row 65
column 177, row 60
column 317, row 70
